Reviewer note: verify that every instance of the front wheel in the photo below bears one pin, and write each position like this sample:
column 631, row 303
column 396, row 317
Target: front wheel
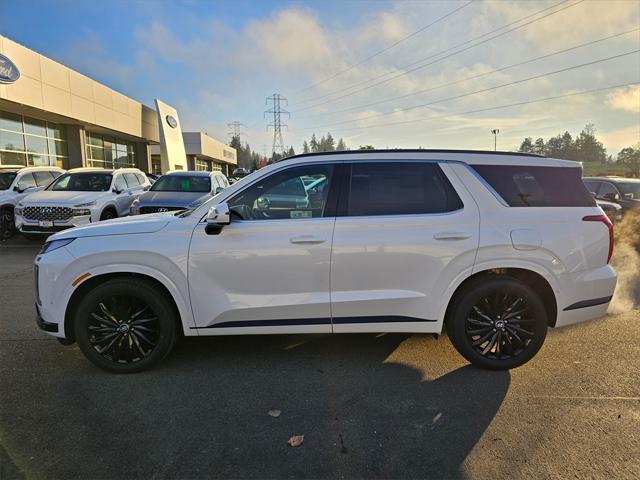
column 125, row 325
column 108, row 214
column 7, row 225
column 498, row 323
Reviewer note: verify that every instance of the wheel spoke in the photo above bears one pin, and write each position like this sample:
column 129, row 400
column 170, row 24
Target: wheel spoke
column 136, row 333
column 108, row 314
column 479, row 312
column 138, row 345
column 482, row 339
column 144, row 320
column 515, row 314
column 139, row 312
column 105, row 349
column 490, row 345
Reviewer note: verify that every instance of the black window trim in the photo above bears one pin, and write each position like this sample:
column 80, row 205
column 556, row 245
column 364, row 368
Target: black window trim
column 343, row 207
column 332, row 196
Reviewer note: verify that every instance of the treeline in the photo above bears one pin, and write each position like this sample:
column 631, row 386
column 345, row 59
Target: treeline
column 325, row 144
column 247, row 158
column 585, row 147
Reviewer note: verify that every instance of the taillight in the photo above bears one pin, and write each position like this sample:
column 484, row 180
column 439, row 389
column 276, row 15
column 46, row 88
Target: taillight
column 604, row 219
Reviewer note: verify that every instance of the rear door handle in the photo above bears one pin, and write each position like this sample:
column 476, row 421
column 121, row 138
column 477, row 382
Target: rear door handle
column 451, row 236
column 307, row 240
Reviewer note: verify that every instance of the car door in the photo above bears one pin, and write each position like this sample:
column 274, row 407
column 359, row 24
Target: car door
column 404, row 232
column 268, row 270
column 124, row 199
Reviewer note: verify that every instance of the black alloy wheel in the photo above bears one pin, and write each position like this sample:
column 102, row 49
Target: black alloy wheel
column 125, row 325
column 498, row 323
column 7, row 225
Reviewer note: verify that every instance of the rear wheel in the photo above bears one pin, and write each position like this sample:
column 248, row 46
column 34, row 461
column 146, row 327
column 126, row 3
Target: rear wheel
column 7, row 225
column 498, row 323
column 124, row 326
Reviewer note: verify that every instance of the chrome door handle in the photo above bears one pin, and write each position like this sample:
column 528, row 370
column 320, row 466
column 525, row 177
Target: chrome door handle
column 307, row 239
column 451, row 236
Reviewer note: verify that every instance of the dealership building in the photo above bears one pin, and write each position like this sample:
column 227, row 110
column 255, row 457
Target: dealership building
column 53, row 115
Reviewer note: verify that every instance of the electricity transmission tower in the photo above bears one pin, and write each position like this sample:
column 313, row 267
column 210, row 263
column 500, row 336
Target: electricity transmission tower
column 276, row 100
column 236, row 130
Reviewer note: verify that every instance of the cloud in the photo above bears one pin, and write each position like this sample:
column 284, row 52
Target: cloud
column 627, row 99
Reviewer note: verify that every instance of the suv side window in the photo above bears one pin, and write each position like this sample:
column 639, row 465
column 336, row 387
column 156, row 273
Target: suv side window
column 27, row 179
column 141, row 178
column 43, row 178
column 397, row 188
column 132, row 180
column 592, row 186
column 283, row 195
column 607, row 189
column 119, row 183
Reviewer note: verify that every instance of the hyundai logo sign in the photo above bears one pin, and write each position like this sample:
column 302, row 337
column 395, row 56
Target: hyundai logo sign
column 9, row 73
column 173, row 123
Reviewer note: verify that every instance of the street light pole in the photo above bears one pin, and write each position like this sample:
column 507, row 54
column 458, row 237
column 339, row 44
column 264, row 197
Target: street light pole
column 495, row 132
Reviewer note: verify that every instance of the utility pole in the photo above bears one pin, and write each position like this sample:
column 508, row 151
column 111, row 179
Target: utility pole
column 276, row 100
column 495, row 132
column 236, row 130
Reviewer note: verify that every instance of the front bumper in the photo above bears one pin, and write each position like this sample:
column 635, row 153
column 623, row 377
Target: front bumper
column 44, row 325
column 37, row 227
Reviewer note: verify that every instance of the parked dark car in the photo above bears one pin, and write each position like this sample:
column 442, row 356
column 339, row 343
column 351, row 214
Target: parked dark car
column 620, row 190
column 179, row 190
column 613, row 210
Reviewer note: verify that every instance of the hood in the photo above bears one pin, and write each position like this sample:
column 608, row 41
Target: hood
column 171, row 199
column 119, row 226
column 62, row 198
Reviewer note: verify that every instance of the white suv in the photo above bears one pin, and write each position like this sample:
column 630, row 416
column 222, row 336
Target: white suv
column 494, row 247
column 16, row 182
column 79, row 197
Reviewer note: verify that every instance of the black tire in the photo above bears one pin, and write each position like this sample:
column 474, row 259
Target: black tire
column 108, row 214
column 7, row 224
column 125, row 325
column 497, row 323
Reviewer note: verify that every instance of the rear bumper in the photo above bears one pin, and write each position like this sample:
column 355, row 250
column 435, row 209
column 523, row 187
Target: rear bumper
column 585, row 295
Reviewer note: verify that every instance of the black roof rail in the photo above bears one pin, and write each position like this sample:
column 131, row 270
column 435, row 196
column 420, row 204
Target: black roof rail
column 412, row 150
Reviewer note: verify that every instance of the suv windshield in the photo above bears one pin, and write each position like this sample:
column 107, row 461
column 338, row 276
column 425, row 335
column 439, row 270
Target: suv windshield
column 182, row 183
column 632, row 188
column 6, row 178
column 82, row 182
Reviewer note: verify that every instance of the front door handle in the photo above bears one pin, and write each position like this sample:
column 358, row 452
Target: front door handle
column 451, row 236
column 307, row 240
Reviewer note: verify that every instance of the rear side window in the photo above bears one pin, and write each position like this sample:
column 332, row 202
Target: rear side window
column 43, row 178
column 397, row 188
column 529, row 186
column 132, row 180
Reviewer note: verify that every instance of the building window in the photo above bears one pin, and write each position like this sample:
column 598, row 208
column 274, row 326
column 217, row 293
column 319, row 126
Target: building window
column 156, row 164
column 202, row 165
column 108, row 152
column 216, row 167
column 33, row 142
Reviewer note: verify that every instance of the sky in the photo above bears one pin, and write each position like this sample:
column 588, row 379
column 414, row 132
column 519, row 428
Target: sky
column 393, row 74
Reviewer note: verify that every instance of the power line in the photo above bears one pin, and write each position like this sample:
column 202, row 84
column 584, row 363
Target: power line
column 406, row 72
column 495, row 87
column 389, row 47
column 276, row 110
column 473, row 77
column 488, row 109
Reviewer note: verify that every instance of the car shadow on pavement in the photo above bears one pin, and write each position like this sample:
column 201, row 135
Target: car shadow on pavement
column 203, row 413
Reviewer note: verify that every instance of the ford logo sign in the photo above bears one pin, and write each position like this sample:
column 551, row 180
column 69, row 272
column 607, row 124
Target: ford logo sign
column 173, row 123
column 9, row 73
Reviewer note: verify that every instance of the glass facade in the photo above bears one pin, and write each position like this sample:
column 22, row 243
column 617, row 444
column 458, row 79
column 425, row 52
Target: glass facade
column 202, row 165
column 156, row 164
column 30, row 141
column 108, row 152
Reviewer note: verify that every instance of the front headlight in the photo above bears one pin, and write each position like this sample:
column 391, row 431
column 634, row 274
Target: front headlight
column 55, row 244
column 18, row 210
column 88, row 204
column 134, row 211
column 79, row 212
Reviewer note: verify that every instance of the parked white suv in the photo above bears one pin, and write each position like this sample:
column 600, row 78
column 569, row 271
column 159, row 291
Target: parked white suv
column 496, row 247
column 16, row 182
column 79, row 197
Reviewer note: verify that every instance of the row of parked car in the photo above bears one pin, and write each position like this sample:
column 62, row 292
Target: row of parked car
column 44, row 200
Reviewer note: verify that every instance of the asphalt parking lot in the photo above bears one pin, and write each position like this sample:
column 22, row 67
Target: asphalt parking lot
column 383, row 406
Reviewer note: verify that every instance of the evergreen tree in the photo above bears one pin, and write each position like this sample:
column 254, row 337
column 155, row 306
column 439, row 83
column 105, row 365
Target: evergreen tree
column 630, row 157
column 305, row 147
column 526, row 146
column 539, row 147
column 341, row 147
column 329, row 144
column 313, row 143
column 590, row 148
